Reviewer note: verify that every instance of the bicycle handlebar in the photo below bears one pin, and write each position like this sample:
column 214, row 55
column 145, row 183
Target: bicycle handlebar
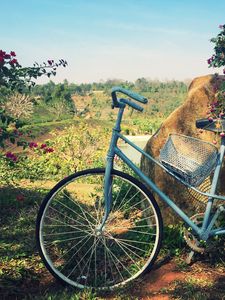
column 130, row 94
column 132, row 104
column 135, row 96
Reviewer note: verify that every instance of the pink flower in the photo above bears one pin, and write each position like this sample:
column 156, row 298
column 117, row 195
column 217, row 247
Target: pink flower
column 48, row 150
column 50, row 62
column 33, row 145
column 222, row 134
column 20, row 197
column 2, row 53
column 7, row 56
column 12, row 53
column 43, row 146
column 13, row 61
column 17, row 132
column 11, row 156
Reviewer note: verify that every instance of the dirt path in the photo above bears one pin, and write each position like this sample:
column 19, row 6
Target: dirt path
column 175, row 280
column 171, row 280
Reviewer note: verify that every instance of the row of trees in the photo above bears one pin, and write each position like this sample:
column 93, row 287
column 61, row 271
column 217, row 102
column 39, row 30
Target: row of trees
column 59, row 98
column 142, row 85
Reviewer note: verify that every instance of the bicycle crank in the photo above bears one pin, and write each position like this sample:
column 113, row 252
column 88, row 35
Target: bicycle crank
column 193, row 242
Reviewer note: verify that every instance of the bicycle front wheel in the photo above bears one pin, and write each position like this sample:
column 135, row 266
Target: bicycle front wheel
column 76, row 252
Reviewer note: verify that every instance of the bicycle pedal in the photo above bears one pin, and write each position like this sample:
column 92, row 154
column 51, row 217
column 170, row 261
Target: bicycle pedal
column 190, row 257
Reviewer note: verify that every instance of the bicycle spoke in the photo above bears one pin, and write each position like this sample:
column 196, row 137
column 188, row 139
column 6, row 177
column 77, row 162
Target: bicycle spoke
column 60, row 233
column 72, row 226
column 84, row 218
column 127, row 254
column 78, row 204
column 64, row 240
column 134, row 226
column 118, row 260
column 131, row 207
column 66, row 225
column 89, row 263
column 107, row 256
column 109, row 253
column 115, row 201
column 75, row 252
column 78, row 264
column 146, row 218
column 105, row 264
column 95, row 265
column 133, row 241
column 74, row 220
column 80, row 254
column 129, row 200
column 132, row 246
column 142, row 232
column 119, row 207
column 97, row 211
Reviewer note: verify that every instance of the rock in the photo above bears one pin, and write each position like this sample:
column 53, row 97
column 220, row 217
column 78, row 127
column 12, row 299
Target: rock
column 182, row 121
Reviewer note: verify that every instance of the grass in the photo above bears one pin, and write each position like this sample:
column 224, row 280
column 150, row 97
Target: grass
column 39, row 129
column 198, row 289
column 23, row 275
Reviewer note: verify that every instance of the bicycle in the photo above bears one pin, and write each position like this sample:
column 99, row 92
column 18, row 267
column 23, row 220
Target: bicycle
column 102, row 228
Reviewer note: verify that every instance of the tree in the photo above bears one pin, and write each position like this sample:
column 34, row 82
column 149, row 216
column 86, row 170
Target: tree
column 15, row 84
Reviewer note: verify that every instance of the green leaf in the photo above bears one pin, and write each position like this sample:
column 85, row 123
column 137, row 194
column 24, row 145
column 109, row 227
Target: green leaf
column 3, row 118
column 12, row 140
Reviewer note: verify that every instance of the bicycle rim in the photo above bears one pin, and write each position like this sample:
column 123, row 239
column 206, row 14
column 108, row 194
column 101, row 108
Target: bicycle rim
column 74, row 250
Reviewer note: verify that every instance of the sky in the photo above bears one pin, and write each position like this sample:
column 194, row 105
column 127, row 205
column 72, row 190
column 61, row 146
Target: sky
column 123, row 39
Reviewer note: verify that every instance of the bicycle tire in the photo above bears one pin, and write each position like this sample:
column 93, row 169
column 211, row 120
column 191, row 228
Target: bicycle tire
column 133, row 231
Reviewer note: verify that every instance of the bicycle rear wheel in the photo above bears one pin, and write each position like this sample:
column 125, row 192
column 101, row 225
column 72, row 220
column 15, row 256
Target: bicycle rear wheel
column 72, row 248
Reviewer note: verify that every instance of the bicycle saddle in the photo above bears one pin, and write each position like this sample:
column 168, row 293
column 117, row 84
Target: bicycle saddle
column 211, row 125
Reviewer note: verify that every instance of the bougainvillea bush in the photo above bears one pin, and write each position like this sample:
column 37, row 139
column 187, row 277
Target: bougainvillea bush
column 15, row 84
column 217, row 60
column 77, row 147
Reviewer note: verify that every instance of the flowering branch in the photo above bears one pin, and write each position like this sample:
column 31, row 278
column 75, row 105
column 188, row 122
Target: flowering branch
column 17, row 80
column 216, row 109
column 16, row 77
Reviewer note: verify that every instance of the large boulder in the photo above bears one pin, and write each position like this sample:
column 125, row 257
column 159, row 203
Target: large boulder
column 182, row 121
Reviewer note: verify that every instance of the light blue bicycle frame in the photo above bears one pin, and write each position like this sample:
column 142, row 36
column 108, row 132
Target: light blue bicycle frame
column 203, row 232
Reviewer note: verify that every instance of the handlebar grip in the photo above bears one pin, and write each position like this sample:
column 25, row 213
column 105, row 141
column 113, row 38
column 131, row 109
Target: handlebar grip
column 130, row 94
column 132, row 104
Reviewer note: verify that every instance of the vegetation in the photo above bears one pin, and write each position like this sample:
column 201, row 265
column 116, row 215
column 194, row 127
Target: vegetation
column 23, row 275
column 217, row 108
column 52, row 130
column 60, row 101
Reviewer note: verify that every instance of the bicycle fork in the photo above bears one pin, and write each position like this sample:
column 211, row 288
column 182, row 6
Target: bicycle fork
column 109, row 166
